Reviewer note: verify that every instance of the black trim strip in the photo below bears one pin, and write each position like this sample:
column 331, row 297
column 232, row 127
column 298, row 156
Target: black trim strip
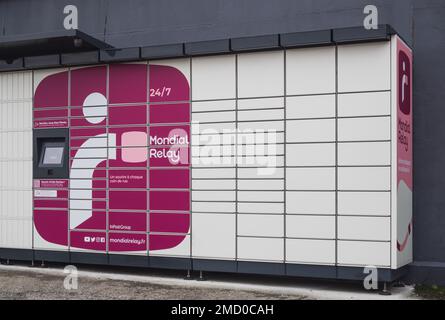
column 255, row 43
column 243, row 44
column 52, row 60
column 12, row 65
column 230, row 266
column 207, row 47
column 126, row 54
column 163, row 51
column 89, row 57
column 305, row 39
column 360, row 34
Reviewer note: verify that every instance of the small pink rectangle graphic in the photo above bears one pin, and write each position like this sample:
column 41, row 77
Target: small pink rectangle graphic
column 89, row 240
column 127, row 221
column 51, row 184
column 128, row 200
column 55, row 123
column 127, row 178
column 138, row 156
column 135, row 136
column 170, row 178
column 119, row 242
column 170, row 200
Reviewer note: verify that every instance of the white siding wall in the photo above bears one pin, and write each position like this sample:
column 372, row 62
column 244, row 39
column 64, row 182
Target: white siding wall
column 16, row 160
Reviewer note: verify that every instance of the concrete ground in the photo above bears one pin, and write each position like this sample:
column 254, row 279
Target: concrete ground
column 23, row 282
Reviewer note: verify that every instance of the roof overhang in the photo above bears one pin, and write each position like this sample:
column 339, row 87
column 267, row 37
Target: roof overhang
column 62, row 49
column 57, row 42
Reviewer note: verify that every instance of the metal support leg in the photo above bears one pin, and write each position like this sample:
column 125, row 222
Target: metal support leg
column 42, row 265
column 188, row 276
column 201, row 276
column 385, row 291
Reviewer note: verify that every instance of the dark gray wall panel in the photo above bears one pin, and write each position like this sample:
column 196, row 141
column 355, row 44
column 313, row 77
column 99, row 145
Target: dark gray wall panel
column 429, row 131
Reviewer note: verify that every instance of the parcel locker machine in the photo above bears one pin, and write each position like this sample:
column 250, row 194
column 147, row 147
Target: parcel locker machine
column 289, row 159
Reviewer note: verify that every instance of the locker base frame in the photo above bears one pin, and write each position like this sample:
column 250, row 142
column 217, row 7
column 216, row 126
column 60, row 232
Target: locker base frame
column 210, row 265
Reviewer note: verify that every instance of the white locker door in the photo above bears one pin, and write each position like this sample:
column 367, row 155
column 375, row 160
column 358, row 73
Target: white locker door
column 16, row 160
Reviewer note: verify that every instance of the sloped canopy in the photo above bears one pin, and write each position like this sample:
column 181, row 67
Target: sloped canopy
column 57, row 42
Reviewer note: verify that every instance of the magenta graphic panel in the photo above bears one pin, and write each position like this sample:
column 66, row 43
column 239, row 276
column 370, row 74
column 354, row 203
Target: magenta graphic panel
column 170, row 200
column 50, row 184
column 177, row 179
column 98, row 221
column 168, row 84
column 127, row 115
column 52, row 91
column 128, row 179
column 52, row 225
column 53, row 123
column 88, row 82
column 50, row 203
column 128, row 83
column 86, row 132
column 404, row 146
column 169, row 222
column 127, row 221
column 161, row 241
column 89, row 240
column 113, row 169
column 85, row 121
column 50, row 113
column 127, row 242
column 170, row 113
column 169, row 135
column 130, row 200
